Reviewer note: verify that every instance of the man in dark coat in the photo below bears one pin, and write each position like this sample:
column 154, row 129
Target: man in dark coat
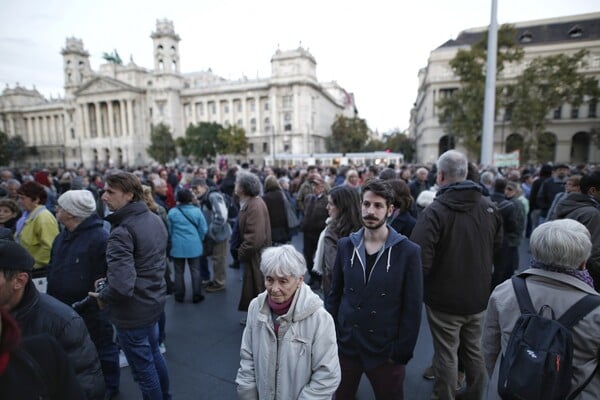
column 585, row 208
column 77, row 260
column 315, row 215
column 458, row 234
column 38, row 313
column 135, row 286
column 375, row 299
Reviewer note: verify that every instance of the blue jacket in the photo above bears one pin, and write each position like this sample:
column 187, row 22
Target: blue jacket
column 186, row 239
column 378, row 320
column 77, row 259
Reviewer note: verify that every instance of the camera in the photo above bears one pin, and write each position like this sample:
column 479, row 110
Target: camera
column 82, row 305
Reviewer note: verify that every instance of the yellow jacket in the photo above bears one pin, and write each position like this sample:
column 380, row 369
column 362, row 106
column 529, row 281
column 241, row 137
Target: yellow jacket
column 37, row 235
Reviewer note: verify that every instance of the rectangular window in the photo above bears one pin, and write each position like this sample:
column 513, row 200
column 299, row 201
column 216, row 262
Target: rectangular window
column 592, row 105
column 199, row 109
column 251, row 105
column 558, row 112
column 287, row 122
column 265, row 147
column 237, row 104
column 287, row 101
column 251, row 148
column 574, row 112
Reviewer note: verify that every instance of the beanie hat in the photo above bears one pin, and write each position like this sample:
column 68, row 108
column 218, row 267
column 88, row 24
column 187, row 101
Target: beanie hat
column 78, row 203
column 14, row 257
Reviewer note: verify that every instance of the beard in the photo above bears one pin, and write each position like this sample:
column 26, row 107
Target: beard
column 373, row 223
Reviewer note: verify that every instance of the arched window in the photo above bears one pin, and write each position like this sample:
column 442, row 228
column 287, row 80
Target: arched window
column 446, row 143
column 580, row 148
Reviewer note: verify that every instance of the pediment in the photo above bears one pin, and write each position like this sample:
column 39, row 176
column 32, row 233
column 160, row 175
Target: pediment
column 105, row 85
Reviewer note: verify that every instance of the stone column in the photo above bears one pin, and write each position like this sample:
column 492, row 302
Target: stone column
column 85, row 121
column 130, row 117
column 122, row 108
column 98, row 119
column 111, row 127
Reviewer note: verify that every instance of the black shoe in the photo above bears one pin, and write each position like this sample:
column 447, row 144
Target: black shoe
column 197, row 299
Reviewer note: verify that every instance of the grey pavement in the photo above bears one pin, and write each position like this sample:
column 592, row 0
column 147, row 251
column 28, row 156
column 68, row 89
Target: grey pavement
column 203, row 342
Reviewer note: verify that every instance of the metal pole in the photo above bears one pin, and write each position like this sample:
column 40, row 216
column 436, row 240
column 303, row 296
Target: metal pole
column 487, row 140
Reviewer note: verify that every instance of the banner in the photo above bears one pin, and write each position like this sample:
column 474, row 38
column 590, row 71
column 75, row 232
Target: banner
column 507, row 159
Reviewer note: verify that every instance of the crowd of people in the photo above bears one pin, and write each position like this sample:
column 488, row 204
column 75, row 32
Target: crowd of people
column 378, row 243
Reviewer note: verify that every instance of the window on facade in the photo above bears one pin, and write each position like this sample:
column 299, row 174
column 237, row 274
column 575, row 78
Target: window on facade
column 72, row 133
column 160, row 47
column 240, row 123
column 161, row 108
column 174, row 65
column 265, row 147
column 213, row 107
column 507, row 113
column 267, row 105
column 253, row 125
column 251, row 148
column 161, row 65
column 557, row 112
column 574, row 112
column 526, row 37
column 73, row 152
column 173, row 48
column 287, row 101
column 238, row 105
column 267, row 123
column 199, row 109
column 575, row 31
column 592, row 105
column 444, row 93
column 286, row 147
column 225, row 107
column 287, row 122
column 251, row 105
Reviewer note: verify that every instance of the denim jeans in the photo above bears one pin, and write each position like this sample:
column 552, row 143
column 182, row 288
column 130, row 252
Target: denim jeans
column 194, row 264
column 148, row 366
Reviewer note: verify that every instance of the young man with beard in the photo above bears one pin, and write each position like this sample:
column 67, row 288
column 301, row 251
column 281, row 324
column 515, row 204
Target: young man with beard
column 375, row 299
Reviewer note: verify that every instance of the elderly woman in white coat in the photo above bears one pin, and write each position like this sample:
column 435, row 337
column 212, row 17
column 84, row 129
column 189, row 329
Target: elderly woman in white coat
column 289, row 348
column 558, row 279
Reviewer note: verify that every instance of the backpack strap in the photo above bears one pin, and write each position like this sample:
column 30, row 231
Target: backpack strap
column 579, row 310
column 523, row 298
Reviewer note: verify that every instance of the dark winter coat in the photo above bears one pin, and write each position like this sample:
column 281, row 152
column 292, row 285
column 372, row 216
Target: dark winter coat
column 377, row 320
column 458, row 234
column 39, row 313
column 39, row 369
column 586, row 210
column 280, row 233
column 136, row 258
column 315, row 215
column 549, row 189
column 77, row 260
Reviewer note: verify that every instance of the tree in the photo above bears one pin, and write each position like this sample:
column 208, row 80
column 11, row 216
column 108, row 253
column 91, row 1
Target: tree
column 374, row 145
column 347, row 135
column 162, row 147
column 461, row 111
column 12, row 149
column 201, row 140
column 399, row 142
column 232, row 140
column 546, row 84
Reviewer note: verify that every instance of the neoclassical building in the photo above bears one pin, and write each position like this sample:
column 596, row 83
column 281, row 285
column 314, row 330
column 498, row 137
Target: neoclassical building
column 106, row 116
column 569, row 128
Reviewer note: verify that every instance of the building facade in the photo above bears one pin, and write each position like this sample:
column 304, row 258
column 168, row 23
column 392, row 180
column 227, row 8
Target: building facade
column 106, row 116
column 570, row 130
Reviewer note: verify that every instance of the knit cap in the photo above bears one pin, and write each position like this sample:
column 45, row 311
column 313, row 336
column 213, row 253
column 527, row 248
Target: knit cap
column 78, row 203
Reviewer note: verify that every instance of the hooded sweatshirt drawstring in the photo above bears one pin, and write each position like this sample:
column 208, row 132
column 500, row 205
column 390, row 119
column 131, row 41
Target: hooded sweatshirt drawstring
column 387, row 269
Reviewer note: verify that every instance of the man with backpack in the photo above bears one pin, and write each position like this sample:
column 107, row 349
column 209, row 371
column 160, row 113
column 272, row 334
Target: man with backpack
column 215, row 209
column 537, row 344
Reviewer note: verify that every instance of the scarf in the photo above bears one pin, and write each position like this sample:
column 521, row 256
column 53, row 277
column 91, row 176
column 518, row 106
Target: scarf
column 581, row 274
column 279, row 309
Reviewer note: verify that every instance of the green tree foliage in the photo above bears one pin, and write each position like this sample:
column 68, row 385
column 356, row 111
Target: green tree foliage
column 461, row 112
column 232, row 140
column 399, row 142
column 546, row 84
column 374, row 145
column 201, row 140
column 12, row 149
column 348, row 135
column 162, row 147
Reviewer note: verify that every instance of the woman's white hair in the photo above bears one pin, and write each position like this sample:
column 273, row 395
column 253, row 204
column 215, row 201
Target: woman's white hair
column 282, row 261
column 562, row 243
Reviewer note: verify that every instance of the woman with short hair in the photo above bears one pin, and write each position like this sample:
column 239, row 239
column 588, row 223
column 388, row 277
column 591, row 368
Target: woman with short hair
column 556, row 280
column 289, row 348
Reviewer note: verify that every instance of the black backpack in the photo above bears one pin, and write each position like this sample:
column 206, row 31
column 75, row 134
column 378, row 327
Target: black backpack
column 538, row 361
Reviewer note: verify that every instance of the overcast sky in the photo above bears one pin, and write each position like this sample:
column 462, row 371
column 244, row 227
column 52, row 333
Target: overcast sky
column 371, row 48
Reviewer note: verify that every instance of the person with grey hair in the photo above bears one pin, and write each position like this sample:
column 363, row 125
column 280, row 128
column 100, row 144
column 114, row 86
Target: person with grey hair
column 458, row 234
column 289, row 348
column 254, row 228
column 77, row 260
column 557, row 279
